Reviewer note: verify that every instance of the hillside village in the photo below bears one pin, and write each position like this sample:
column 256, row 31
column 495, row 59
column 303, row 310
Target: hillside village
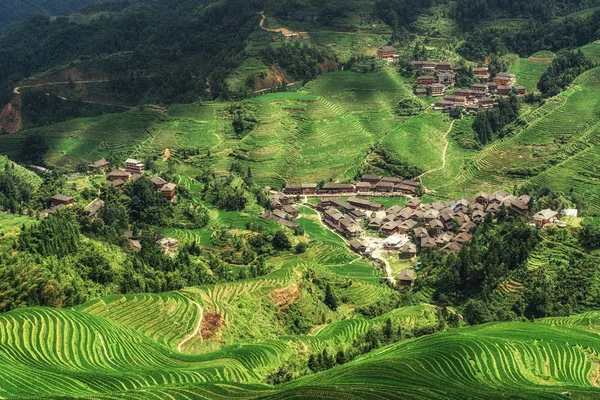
column 117, row 178
column 370, row 229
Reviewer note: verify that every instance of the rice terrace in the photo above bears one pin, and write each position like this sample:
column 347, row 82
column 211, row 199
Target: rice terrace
column 378, row 199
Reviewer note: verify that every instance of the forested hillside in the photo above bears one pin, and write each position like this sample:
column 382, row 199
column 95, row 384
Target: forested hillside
column 151, row 51
column 16, row 10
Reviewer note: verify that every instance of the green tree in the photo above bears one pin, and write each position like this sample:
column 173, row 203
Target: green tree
column 281, row 241
column 330, row 299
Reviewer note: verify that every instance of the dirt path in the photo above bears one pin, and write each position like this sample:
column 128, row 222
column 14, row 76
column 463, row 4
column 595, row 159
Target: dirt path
column 193, row 334
column 17, row 90
column 388, row 268
column 286, row 32
column 376, row 254
column 443, row 156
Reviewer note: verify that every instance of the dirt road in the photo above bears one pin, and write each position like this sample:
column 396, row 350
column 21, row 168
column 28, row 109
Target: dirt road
column 196, row 331
column 443, row 156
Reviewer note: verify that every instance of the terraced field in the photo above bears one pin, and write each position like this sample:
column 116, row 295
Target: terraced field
column 46, row 352
column 530, row 70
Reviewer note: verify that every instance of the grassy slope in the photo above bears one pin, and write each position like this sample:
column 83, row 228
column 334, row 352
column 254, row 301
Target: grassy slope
column 530, row 70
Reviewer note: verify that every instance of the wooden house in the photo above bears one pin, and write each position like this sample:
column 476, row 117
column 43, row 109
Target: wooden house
column 479, row 89
column 168, row 190
column 452, row 247
column 504, row 90
column 119, row 174
column 134, row 166
column 481, row 73
column 421, row 92
column 420, row 232
column 443, row 104
column 485, row 102
column 443, row 66
column 407, row 278
column 428, row 243
column 386, row 53
column 371, row 178
column 425, row 80
column 463, row 237
column 456, row 100
column 436, row 89
column 363, row 187
column 308, row 188
column 463, row 92
column 408, row 250
column 406, row 226
column 436, row 227
column 331, row 188
column 445, row 78
column 95, row 207
column 61, row 199
column 545, row 217
column 158, row 182
column 100, row 165
column 504, row 79
column 365, row 204
column 384, row 187
column 357, row 246
column 521, row 90
column 290, row 210
column 413, row 203
column 390, row 228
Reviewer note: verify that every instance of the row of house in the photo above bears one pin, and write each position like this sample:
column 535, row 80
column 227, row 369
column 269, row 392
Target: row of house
column 432, row 66
column 370, row 183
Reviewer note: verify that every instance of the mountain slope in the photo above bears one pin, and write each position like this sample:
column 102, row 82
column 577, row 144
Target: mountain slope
column 16, row 10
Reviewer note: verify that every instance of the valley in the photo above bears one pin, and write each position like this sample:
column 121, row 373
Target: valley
column 300, row 200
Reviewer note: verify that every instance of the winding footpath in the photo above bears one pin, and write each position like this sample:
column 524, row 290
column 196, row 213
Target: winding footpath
column 376, row 254
column 193, row 334
column 443, row 156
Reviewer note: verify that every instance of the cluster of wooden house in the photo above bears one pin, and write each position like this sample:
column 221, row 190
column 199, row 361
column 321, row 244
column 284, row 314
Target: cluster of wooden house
column 345, row 216
column 134, row 169
column 57, row 202
column 370, row 184
column 283, row 211
column 444, row 225
column 437, row 77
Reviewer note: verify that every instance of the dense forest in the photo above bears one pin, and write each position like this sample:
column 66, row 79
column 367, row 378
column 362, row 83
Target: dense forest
column 531, row 36
column 470, row 12
column 13, row 11
column 154, row 51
